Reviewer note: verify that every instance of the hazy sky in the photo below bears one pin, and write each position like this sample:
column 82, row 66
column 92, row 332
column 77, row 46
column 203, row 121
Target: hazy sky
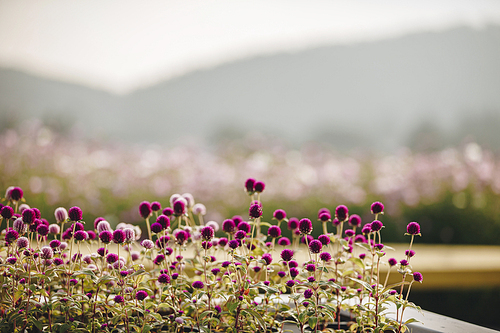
column 122, row 45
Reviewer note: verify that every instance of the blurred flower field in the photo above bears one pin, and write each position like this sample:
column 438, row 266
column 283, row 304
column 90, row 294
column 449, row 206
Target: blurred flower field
column 453, row 194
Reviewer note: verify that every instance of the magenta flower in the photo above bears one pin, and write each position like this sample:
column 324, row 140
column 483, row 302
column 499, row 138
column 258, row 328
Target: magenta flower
column 80, row 235
column 315, row 246
column 75, row 214
column 341, row 213
column 325, row 217
column 141, row 295
column 28, row 216
column 255, row 211
column 156, row 227
column 268, row 258
column 222, row 241
column 376, row 225
column 349, row 232
column 305, row 226
column 181, row 237
column 15, row 193
column 290, row 283
column 198, row 285
column 355, row 220
column 249, row 185
column 245, row 226
column 293, row 223
column 377, row 207
column 106, row 236
column 145, row 209
column 279, row 214
column 118, row 236
column 11, row 236
column 7, row 212
column 168, row 211
column 240, row 234
column 22, row 242
column 111, row 258
column 164, row 278
column 325, row 256
column 274, row 231
column 47, row 252
column 155, row 206
column 410, row 253
column 207, row 233
column 284, row 241
column 417, row 276
column 179, row 207
column 228, row 226
column 413, row 228
column 259, row 187
column 287, row 254
column 164, row 221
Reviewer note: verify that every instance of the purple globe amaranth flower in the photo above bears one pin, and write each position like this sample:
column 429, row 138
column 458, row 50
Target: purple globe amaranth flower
column 7, row 212
column 11, row 236
column 168, row 211
column 156, row 227
column 222, row 241
column 111, row 258
column 349, row 232
column 392, row 262
column 181, row 236
column 268, row 258
column 179, row 207
column 58, row 261
column 213, row 224
column 106, row 236
column 129, row 235
column 284, row 241
column 141, row 295
column 28, row 216
column 315, row 246
column 103, row 226
column 413, row 228
column 22, row 242
column 377, row 208
column 249, row 185
column 237, row 220
column 259, row 187
column 54, row 229
column 155, row 206
column 311, row 267
column 119, row 299
column 274, row 231
column 323, row 211
column 102, row 251
column 163, row 240
column 379, row 246
column 47, row 252
column 164, row 221
column 240, row 234
column 255, row 211
column 228, row 226
column 245, row 226
column 410, row 253
column 293, row 223
column 145, row 209
column 336, row 222
column 367, row 228
column 15, row 193
column 147, row 244
column 207, row 233
column 77, row 226
column 393, row 292
column 293, row 263
column 360, row 239
column 279, row 214
column 159, row 259
column 12, row 260
column 164, row 278
column 80, row 235
column 206, row 245
column 199, row 209
column 20, row 226
column 290, row 283
column 97, row 220
column 38, row 214
column 198, row 285
column 215, row 271
column 281, row 274
column 355, row 220
column 294, row 272
column 305, row 226
column 341, row 213
column 376, row 225
column 118, row 236
column 417, row 276
column 308, row 293
column 75, row 214
column 306, row 239
column 325, row 256
column 287, row 254
column 233, row 244
column 404, row 262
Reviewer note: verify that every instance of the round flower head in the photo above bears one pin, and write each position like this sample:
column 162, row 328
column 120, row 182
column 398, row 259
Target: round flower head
column 15, row 193
column 325, row 256
column 207, row 233
column 367, row 228
column 102, row 251
column 287, row 254
column 413, row 228
column 189, row 199
column 147, row 244
column 341, row 213
column 75, row 214
column 103, row 226
column 355, row 220
column 404, row 262
column 290, row 283
column 376, row 225
column 7, row 212
column 360, row 239
column 111, row 258
column 311, row 267
column 259, row 187
column 129, row 235
column 198, row 285
column 168, row 212
column 61, row 214
column 38, row 214
column 155, row 206
column 199, row 209
column 162, row 241
column 279, row 214
column 135, row 255
column 233, row 244
column 11, row 236
column 164, row 278
column 47, row 252
column 377, row 208
column 63, row 245
column 80, row 235
column 77, row 226
column 268, row 258
column 305, row 226
column 410, row 253
column 325, row 217
column 54, row 229
column 244, row 226
column 228, row 226
column 293, row 223
column 22, row 207
column 294, row 272
column 222, row 241
column 156, row 227
column 255, row 211
column 214, row 225
column 392, row 262
column 141, row 295
column 22, row 242
column 274, row 231
column 119, row 299
column 12, row 260
column 284, row 241
column 249, row 185
column 240, row 234
column 97, row 220
column 118, row 236
column 28, row 216
column 106, row 236
column 349, row 232
column 322, row 211
column 336, row 222
column 417, row 276
column 306, row 239
column 159, row 259
column 315, row 246
column 181, row 237
column 163, row 220
column 324, row 239
column 20, row 226
column 145, row 209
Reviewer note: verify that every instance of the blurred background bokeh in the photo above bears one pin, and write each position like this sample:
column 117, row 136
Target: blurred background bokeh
column 106, row 104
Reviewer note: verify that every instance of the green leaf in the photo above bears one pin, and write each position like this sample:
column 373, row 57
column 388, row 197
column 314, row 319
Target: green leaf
column 358, row 262
column 232, row 306
column 313, row 321
column 258, row 317
column 146, row 329
column 411, row 320
column 363, row 283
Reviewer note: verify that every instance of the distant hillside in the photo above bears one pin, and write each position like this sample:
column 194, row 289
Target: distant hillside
column 368, row 94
